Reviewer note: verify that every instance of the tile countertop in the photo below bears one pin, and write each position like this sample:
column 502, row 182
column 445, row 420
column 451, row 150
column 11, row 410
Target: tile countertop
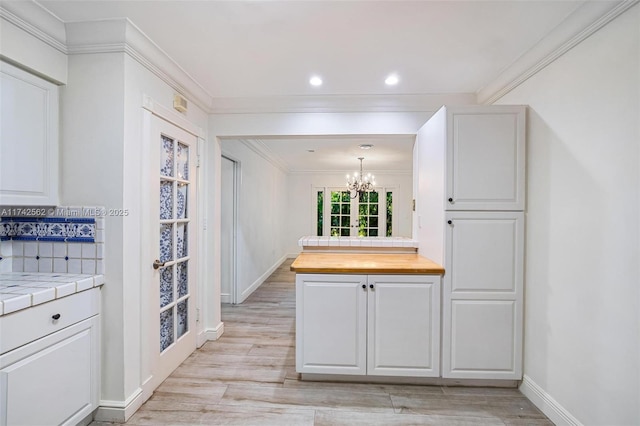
column 357, row 242
column 20, row 290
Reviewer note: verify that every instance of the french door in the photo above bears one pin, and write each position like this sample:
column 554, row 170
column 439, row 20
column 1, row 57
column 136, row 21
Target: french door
column 365, row 215
column 173, row 333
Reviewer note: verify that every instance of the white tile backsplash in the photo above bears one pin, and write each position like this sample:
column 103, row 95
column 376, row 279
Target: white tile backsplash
column 59, row 250
column 74, row 250
column 30, row 249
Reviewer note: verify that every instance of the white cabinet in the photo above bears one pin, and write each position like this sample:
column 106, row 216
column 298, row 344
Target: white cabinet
column 485, row 158
column 54, row 379
column 376, row 324
column 469, row 166
column 28, row 138
column 482, row 295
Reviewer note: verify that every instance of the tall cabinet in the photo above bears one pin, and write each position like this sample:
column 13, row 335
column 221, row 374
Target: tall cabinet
column 469, row 172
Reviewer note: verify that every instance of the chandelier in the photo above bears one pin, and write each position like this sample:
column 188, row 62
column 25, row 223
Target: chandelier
column 359, row 183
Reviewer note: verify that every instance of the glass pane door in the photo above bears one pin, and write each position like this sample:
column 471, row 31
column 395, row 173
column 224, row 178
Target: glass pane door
column 174, row 233
column 172, row 322
column 365, row 215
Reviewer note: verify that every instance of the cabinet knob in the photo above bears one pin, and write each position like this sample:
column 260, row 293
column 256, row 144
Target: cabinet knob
column 449, row 222
column 364, row 286
column 55, row 317
column 451, row 200
column 371, row 286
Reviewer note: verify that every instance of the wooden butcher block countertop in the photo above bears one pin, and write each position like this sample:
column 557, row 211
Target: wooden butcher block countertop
column 364, row 263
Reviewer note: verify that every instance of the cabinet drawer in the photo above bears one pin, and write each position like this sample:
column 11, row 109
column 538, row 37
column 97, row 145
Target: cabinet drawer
column 27, row 325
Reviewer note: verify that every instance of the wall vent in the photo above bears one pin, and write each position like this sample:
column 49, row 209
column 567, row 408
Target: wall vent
column 179, row 103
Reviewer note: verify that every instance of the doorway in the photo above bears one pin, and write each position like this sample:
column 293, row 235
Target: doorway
column 228, row 234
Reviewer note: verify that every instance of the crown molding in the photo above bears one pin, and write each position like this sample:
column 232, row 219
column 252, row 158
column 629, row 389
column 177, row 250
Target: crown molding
column 340, row 103
column 122, row 36
column 583, row 22
column 259, row 147
column 31, row 18
column 377, row 173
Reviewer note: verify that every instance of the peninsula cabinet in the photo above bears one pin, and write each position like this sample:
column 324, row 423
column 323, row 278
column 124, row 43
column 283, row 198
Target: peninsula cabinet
column 28, row 139
column 382, row 325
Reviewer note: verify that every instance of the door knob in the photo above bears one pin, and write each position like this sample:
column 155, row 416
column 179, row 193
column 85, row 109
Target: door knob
column 157, row 264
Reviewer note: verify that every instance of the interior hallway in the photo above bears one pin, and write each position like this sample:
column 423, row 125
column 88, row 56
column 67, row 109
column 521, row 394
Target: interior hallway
column 248, row 377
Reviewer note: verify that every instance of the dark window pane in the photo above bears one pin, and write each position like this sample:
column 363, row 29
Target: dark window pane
column 389, row 213
column 364, row 197
column 364, row 221
column 335, row 208
column 344, row 232
column 345, row 221
column 335, row 197
column 373, row 232
column 335, row 220
column 373, row 210
column 363, row 209
column 373, row 197
column 346, row 208
column 373, row 222
column 320, row 210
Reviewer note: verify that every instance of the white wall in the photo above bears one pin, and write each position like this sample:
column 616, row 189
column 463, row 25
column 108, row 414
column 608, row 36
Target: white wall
column 262, row 216
column 301, row 217
column 102, row 158
column 582, row 302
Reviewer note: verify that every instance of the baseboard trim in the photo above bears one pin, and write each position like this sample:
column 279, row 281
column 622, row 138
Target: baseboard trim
column 261, row 279
column 120, row 411
column 210, row 334
column 431, row 381
column 546, row 403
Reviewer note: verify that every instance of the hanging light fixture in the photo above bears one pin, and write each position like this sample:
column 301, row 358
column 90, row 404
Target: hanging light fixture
column 359, row 183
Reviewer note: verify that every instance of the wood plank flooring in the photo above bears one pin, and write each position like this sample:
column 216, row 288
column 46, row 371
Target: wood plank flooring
column 248, row 377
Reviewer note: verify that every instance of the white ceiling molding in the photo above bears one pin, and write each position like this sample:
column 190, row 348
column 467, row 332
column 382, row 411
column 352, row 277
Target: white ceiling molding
column 36, row 21
column 121, row 35
column 340, row 103
column 586, row 20
column 263, row 151
column 377, row 173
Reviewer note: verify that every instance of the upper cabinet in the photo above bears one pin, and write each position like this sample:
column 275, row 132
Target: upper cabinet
column 28, row 139
column 484, row 150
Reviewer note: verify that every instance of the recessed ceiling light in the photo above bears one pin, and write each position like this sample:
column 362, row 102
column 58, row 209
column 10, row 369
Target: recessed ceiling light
column 392, row 80
column 311, row 150
column 315, row 81
column 366, row 146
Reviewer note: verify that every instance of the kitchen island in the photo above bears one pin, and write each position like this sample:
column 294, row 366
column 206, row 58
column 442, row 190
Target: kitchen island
column 367, row 314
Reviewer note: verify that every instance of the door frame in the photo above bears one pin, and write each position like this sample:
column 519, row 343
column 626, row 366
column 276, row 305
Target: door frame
column 233, row 287
column 151, row 108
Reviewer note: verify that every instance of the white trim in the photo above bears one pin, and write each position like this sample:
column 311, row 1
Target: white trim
column 42, row 35
column 120, row 35
column 403, row 172
column 260, row 148
column 172, row 117
column 119, row 411
column 546, row 403
column 340, row 103
column 583, row 22
column 210, row 334
column 257, row 283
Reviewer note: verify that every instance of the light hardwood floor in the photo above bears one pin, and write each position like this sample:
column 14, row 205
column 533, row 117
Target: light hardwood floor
column 248, row 377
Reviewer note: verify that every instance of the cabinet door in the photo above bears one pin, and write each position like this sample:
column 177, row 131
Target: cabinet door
column 331, row 321
column 53, row 380
column 485, row 158
column 403, row 325
column 28, row 139
column 482, row 295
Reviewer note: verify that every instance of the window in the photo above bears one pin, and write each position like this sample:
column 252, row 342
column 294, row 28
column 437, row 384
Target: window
column 369, row 214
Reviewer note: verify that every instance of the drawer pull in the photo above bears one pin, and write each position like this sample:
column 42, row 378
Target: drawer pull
column 55, row 317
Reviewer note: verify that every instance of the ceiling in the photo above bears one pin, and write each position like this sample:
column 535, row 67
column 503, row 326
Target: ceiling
column 267, row 50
